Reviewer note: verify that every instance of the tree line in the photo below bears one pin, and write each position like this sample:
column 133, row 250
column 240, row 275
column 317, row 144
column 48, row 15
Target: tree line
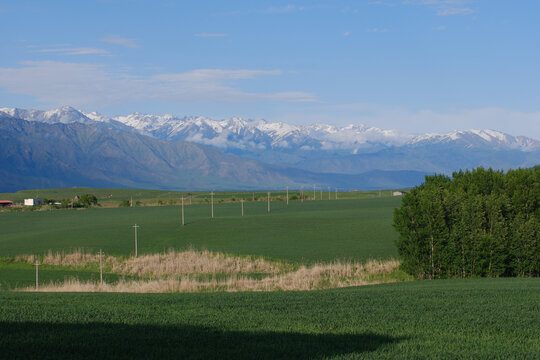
column 86, row 201
column 479, row 223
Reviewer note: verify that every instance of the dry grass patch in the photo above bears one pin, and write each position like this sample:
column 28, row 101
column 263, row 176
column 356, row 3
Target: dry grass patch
column 316, row 277
column 170, row 263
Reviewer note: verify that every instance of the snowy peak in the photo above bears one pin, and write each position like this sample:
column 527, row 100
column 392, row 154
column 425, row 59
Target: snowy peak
column 237, row 134
column 64, row 115
column 479, row 139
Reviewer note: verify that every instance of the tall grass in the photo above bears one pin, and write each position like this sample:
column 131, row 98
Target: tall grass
column 180, row 272
column 171, row 262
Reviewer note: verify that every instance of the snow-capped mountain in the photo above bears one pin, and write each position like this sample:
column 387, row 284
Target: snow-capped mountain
column 479, row 138
column 341, row 149
column 246, row 134
column 63, row 115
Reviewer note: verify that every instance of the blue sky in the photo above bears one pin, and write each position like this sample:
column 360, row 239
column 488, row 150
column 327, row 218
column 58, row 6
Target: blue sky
column 414, row 65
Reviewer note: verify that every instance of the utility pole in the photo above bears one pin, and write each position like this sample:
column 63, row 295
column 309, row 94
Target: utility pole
column 287, row 195
column 100, row 266
column 336, row 193
column 329, row 193
column 253, row 197
column 37, row 276
column 302, row 193
column 212, row 197
column 135, row 227
column 313, row 191
column 242, row 202
column 269, row 201
column 182, row 211
column 321, row 193
column 131, row 202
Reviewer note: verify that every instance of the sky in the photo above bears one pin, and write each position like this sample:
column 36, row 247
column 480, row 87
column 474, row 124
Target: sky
column 413, row 65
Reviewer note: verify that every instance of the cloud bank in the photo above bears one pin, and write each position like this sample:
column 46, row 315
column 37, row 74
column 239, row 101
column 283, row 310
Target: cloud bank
column 86, row 85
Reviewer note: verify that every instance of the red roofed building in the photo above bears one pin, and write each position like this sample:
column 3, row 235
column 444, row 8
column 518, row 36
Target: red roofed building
column 5, row 203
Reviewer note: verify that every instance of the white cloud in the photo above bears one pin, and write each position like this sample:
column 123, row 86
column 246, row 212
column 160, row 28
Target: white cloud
column 346, row 33
column 436, row 2
column 420, row 121
column 118, row 40
column 210, row 35
column 454, row 11
column 380, row 2
column 444, row 7
column 56, row 83
column 284, row 9
column 74, row 51
column 441, row 28
column 378, row 30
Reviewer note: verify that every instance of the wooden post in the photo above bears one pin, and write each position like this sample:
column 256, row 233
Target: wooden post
column 100, row 267
column 212, row 197
column 302, row 194
column 135, row 227
column 269, row 201
column 182, row 211
column 242, row 202
column 321, row 193
column 253, row 198
column 313, row 191
column 37, row 275
column 287, row 195
column 336, row 193
column 329, row 193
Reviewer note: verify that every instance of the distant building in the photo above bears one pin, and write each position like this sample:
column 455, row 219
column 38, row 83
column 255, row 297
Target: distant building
column 6, row 203
column 32, row 202
column 398, row 193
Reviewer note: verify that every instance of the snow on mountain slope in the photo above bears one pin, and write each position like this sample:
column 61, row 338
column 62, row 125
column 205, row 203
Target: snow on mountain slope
column 257, row 135
column 64, row 115
column 479, row 138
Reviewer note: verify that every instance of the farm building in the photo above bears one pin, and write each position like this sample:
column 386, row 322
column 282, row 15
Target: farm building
column 398, row 193
column 32, row 202
column 6, row 203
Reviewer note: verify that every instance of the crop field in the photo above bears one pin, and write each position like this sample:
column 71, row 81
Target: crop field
column 473, row 318
column 113, row 197
column 304, row 232
column 317, row 243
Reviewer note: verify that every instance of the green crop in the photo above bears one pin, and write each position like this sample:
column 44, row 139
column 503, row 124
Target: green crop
column 443, row 319
column 308, row 231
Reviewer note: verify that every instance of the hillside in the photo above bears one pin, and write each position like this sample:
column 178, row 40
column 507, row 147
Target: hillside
column 42, row 155
column 319, row 148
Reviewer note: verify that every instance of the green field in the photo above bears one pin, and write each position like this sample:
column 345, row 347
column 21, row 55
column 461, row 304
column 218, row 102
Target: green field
column 19, row 275
column 472, row 318
column 112, row 197
column 305, row 232
column 446, row 319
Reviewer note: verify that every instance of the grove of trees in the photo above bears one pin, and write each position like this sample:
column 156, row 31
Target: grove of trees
column 475, row 224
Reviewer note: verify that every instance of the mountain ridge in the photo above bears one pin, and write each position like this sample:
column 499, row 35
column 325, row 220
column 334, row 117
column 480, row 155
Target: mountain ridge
column 40, row 155
column 319, row 148
column 239, row 133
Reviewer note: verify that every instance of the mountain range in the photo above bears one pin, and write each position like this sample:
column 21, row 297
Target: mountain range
column 69, row 147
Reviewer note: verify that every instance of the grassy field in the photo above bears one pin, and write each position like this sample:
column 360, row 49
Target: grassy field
column 19, row 275
column 447, row 319
column 303, row 232
column 113, row 197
